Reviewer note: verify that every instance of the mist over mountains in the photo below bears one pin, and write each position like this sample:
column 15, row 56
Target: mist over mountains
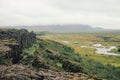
column 59, row 28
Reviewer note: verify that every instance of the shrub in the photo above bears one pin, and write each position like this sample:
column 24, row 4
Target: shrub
column 118, row 49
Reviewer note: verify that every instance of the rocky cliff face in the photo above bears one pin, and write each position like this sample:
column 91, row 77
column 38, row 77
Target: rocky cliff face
column 11, row 43
column 15, row 54
column 23, row 37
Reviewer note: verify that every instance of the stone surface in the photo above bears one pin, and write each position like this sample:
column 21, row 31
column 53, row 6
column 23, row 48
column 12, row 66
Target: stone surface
column 12, row 42
column 23, row 37
column 21, row 72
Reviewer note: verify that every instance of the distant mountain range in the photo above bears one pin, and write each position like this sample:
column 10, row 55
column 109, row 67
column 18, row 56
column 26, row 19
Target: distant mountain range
column 60, row 28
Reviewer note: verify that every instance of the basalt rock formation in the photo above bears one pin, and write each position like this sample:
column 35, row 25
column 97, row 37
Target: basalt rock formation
column 12, row 42
column 23, row 37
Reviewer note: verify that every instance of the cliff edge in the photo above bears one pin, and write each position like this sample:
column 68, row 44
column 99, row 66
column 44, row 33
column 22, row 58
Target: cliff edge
column 12, row 42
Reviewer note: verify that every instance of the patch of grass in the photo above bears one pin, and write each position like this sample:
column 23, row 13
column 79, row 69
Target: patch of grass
column 59, row 65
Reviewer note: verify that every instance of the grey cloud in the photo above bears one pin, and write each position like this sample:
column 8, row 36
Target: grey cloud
column 105, row 13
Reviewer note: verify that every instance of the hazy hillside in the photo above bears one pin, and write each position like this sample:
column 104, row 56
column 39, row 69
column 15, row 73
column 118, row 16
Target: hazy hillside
column 60, row 28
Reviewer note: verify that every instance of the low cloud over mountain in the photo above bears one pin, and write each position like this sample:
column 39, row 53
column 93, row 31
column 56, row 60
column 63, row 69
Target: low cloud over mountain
column 60, row 28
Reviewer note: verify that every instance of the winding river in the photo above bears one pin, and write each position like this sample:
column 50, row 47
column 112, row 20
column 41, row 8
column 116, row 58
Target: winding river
column 106, row 51
column 100, row 49
column 103, row 50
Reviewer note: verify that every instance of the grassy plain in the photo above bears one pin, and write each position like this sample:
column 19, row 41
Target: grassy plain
column 79, row 41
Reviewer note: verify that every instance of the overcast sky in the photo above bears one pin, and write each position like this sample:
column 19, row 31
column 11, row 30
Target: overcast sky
column 97, row 13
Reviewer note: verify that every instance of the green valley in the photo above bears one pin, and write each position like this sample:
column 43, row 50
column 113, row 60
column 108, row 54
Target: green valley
column 82, row 42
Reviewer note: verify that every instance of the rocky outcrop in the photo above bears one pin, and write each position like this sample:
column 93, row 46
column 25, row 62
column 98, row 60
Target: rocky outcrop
column 15, row 54
column 18, row 72
column 23, row 37
column 26, row 38
column 71, row 66
column 21, row 72
column 10, row 52
column 12, row 42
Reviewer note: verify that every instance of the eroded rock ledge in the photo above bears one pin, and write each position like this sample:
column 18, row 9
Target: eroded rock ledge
column 23, row 37
column 21, row 72
column 12, row 42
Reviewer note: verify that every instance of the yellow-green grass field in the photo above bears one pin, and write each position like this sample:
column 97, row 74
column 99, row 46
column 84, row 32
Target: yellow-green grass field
column 78, row 40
